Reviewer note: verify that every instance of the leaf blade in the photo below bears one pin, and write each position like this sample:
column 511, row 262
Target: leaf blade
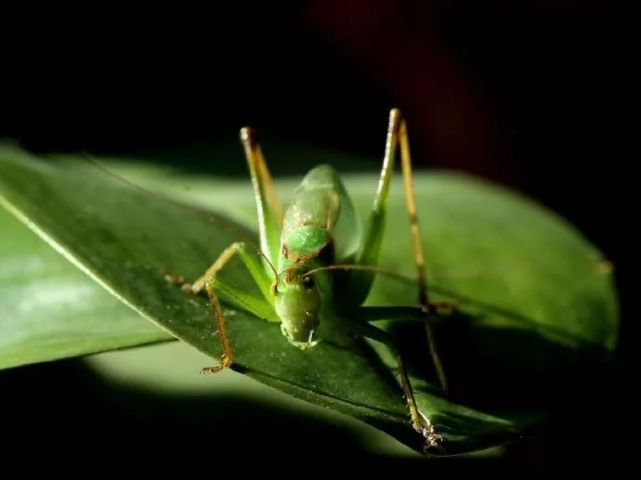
column 43, row 298
column 461, row 227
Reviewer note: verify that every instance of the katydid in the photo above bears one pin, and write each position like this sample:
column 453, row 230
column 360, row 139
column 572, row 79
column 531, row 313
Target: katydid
column 316, row 258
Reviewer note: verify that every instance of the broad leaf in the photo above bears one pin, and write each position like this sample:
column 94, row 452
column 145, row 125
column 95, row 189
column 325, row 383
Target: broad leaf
column 50, row 310
column 536, row 299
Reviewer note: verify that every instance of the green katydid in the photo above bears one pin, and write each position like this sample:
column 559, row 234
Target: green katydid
column 315, row 258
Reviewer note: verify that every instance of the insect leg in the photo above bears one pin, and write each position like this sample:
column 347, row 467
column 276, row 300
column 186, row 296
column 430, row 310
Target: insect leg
column 227, row 356
column 376, row 224
column 417, row 245
column 360, row 282
column 210, row 283
column 250, row 261
column 420, row 422
column 270, row 212
column 397, row 134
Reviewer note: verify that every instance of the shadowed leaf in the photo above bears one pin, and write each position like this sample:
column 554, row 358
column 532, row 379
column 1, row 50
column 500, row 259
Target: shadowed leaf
column 536, row 300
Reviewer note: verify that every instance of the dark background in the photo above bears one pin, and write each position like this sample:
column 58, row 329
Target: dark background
column 538, row 95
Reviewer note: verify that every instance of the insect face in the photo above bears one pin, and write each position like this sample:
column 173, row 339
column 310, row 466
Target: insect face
column 297, row 303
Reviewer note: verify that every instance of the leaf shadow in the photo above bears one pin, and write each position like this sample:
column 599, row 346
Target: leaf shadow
column 501, row 369
column 121, row 427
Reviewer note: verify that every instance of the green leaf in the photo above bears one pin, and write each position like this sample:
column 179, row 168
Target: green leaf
column 50, row 310
column 169, row 373
column 536, row 299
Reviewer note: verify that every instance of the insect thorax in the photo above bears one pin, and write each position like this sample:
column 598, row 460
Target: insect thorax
column 304, row 246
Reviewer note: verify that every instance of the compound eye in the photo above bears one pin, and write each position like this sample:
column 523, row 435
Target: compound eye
column 308, row 282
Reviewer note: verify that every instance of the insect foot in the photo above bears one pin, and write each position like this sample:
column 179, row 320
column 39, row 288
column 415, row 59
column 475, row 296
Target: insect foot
column 225, row 362
column 443, row 308
column 423, row 426
column 179, row 281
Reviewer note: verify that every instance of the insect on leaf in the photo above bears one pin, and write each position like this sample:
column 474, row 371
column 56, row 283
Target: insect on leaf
column 535, row 300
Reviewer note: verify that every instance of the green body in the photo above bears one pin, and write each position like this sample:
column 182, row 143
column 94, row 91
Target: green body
column 320, row 228
column 318, row 260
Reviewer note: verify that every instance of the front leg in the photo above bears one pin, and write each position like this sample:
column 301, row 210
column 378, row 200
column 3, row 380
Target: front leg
column 214, row 287
column 227, row 356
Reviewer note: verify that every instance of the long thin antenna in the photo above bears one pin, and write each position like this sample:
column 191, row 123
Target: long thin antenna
column 271, row 265
column 366, row 268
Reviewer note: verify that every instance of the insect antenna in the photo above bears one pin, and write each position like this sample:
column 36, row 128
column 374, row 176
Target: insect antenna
column 271, row 265
column 366, row 268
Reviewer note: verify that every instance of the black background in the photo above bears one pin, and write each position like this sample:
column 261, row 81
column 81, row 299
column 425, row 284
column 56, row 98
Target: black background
column 538, row 95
